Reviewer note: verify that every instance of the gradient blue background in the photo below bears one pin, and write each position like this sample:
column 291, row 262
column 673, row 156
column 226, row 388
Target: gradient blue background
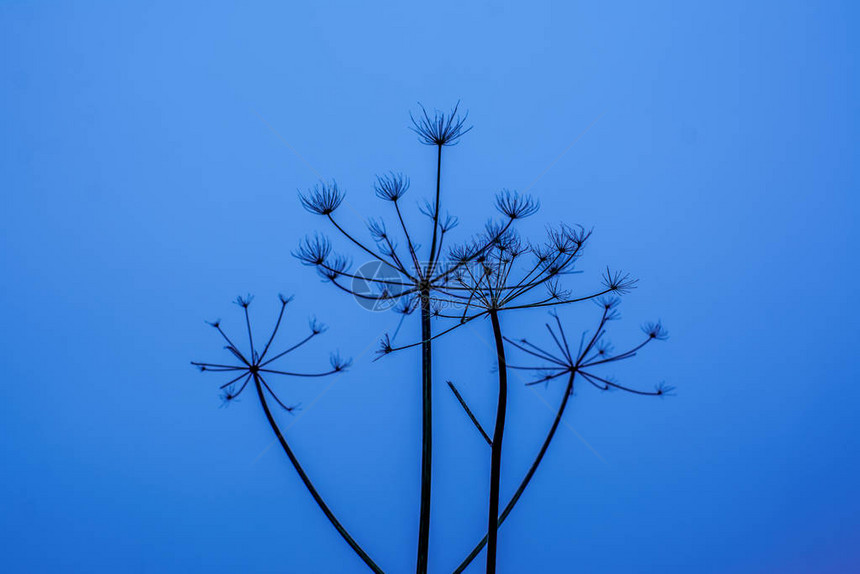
column 146, row 182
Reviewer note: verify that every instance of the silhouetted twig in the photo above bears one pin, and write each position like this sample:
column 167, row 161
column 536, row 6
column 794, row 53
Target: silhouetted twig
column 470, row 414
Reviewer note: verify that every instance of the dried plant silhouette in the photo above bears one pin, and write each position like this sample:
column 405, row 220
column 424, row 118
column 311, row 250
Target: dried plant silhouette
column 257, row 367
column 450, row 286
column 419, row 283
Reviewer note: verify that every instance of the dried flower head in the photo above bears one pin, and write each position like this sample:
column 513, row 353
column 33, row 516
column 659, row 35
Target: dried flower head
column 585, row 360
column 313, row 251
column 391, row 186
column 384, row 345
column 244, row 301
column 664, row 390
column 448, row 223
column 655, row 331
column 316, row 326
column 618, row 282
column 335, row 266
column 566, row 238
column 338, row 363
column 377, row 229
column 516, row 206
column 322, row 199
column 441, row 129
column 255, row 364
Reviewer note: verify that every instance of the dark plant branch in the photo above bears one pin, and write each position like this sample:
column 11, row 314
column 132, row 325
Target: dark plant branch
column 409, row 244
column 360, row 244
column 470, row 414
column 389, row 349
column 307, row 481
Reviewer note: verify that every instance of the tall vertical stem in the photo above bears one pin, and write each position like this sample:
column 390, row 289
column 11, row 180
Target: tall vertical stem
column 309, row 485
column 496, row 457
column 426, row 389
column 426, row 433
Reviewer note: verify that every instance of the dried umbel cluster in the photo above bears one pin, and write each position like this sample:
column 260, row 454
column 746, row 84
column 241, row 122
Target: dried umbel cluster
column 448, row 284
column 415, row 272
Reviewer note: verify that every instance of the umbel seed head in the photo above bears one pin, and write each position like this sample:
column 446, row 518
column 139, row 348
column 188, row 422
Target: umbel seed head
column 655, row 331
column 391, row 186
column 322, row 199
column 244, row 301
column 313, row 251
column 441, row 129
column 618, row 282
column 516, row 206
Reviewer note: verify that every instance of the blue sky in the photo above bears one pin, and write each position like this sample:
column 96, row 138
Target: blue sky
column 150, row 159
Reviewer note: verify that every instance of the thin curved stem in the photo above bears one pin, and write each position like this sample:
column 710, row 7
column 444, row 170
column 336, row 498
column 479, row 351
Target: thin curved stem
column 368, row 279
column 430, row 337
column 539, row 353
column 290, row 349
column 304, row 375
column 618, row 357
column 409, row 243
column 552, row 302
column 360, row 244
column 275, row 330
column 432, row 262
column 319, row 500
column 395, row 257
column 371, row 297
column 525, row 482
column 590, row 377
column 470, row 414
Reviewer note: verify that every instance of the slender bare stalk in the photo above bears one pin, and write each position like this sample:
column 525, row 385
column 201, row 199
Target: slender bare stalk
column 307, row 481
column 496, row 456
column 426, row 434
column 469, row 413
